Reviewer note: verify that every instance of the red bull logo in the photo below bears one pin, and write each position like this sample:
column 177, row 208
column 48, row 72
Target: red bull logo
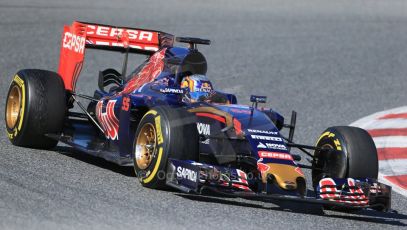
column 108, row 119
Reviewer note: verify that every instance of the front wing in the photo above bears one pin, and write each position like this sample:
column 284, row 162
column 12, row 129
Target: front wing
column 203, row 179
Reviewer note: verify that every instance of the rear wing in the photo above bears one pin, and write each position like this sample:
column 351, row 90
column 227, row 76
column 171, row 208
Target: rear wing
column 82, row 35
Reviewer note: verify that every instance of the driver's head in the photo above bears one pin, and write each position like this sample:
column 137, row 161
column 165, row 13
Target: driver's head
column 197, row 88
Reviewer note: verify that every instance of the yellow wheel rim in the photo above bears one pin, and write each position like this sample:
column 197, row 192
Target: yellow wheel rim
column 13, row 106
column 146, row 146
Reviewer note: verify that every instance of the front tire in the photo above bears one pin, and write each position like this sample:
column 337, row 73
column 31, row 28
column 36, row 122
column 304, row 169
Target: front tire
column 35, row 107
column 356, row 155
column 163, row 133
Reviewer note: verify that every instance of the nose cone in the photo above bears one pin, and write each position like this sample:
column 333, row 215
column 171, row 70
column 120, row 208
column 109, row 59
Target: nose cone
column 286, row 176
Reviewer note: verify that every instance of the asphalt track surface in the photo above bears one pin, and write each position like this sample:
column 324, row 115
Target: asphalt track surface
column 331, row 61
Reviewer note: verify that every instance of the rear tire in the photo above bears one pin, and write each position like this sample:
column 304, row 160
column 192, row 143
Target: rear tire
column 163, row 133
column 35, row 106
column 356, row 156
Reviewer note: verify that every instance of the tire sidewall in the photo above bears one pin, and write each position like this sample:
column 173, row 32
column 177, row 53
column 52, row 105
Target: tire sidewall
column 179, row 134
column 43, row 109
column 154, row 174
column 356, row 151
column 15, row 133
column 338, row 159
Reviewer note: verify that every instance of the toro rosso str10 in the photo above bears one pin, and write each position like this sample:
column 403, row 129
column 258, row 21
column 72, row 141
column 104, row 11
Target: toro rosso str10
column 166, row 119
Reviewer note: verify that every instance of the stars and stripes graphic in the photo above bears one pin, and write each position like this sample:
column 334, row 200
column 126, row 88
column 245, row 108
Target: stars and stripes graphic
column 389, row 132
column 353, row 195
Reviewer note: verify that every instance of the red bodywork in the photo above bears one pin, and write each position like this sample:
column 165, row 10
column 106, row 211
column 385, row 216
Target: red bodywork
column 149, row 72
column 79, row 36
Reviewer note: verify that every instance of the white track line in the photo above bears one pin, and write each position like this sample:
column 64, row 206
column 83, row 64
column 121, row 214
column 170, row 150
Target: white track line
column 391, row 142
column 394, row 187
column 366, row 120
column 391, row 167
column 395, row 123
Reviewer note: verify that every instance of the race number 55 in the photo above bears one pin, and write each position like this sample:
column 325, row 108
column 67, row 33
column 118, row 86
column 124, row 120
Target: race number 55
column 126, row 104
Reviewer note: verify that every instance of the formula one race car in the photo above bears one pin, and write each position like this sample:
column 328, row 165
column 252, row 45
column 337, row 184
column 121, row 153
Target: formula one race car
column 166, row 119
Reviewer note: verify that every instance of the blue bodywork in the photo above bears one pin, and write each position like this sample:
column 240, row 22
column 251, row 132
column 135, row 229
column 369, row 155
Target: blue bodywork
column 234, row 133
column 163, row 90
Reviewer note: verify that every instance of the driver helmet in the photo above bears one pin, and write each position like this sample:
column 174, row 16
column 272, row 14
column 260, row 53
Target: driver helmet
column 197, row 88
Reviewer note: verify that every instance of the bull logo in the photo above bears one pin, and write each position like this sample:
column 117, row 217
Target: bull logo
column 108, row 119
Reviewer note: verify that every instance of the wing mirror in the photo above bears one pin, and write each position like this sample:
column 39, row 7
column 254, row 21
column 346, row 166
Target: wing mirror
column 257, row 99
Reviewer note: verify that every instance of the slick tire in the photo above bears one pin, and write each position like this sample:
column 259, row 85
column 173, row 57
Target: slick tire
column 356, row 154
column 35, row 107
column 163, row 133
